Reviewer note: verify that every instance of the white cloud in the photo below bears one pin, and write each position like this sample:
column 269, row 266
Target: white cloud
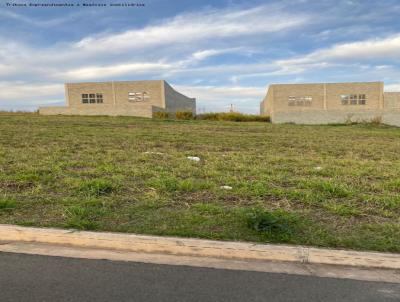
column 96, row 72
column 26, row 91
column 372, row 49
column 95, row 55
column 195, row 26
column 206, row 53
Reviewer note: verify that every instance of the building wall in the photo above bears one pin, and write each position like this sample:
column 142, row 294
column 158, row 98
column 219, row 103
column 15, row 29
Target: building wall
column 266, row 106
column 116, row 99
column 114, row 111
column 175, row 101
column 314, row 117
column 338, row 117
column 326, row 106
column 281, row 94
column 327, row 96
column 74, row 92
column 391, row 100
column 372, row 90
column 152, row 88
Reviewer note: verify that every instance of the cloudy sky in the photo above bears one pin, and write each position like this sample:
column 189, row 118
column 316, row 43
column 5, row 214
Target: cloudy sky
column 219, row 51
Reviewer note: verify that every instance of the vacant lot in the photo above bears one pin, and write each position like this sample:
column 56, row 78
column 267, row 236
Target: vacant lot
column 336, row 186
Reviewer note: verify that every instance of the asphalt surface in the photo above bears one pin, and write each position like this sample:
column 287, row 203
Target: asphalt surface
column 42, row 278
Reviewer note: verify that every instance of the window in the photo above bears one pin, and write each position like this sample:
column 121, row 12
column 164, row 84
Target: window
column 85, row 98
column 307, row 100
column 353, row 99
column 300, row 101
column 292, row 101
column 92, row 98
column 138, row 96
column 345, row 99
column 362, row 99
column 99, row 98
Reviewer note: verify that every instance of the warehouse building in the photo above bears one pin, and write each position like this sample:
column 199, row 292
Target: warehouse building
column 329, row 103
column 125, row 98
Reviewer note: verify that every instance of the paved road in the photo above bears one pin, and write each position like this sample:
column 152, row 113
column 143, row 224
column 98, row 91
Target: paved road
column 41, row 278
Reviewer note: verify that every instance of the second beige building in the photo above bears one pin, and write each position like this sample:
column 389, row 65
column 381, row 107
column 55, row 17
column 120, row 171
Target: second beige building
column 325, row 103
column 124, row 98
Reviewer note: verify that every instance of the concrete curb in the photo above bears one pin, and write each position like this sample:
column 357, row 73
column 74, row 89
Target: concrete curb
column 199, row 248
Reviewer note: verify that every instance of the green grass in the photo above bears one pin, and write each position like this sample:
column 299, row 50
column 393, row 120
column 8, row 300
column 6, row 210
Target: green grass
column 330, row 186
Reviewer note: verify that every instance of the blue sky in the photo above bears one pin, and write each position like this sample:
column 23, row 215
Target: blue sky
column 220, row 52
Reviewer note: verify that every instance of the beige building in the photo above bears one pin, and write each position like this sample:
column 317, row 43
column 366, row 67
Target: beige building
column 326, row 103
column 127, row 98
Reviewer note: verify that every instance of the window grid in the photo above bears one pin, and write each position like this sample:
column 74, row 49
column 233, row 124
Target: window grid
column 353, row 99
column 300, row 101
column 92, row 98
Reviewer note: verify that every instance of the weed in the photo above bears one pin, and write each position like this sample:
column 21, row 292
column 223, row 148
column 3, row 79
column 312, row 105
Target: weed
column 7, row 205
column 272, row 222
column 332, row 189
column 233, row 117
column 97, row 187
column 160, row 115
column 184, row 115
column 84, row 218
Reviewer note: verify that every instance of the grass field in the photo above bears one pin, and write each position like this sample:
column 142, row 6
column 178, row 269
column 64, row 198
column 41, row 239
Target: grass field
column 334, row 186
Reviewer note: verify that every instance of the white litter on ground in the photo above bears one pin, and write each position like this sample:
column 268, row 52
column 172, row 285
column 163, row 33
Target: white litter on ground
column 151, row 152
column 194, row 158
column 226, row 187
column 318, row 168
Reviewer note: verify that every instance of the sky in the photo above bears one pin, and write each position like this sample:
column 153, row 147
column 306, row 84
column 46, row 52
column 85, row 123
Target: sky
column 221, row 52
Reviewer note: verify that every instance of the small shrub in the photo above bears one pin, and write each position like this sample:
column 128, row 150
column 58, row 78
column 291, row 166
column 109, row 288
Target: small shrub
column 184, row 115
column 164, row 183
column 86, row 216
column 208, row 116
column 233, row 117
column 82, row 218
column 274, row 223
column 7, row 205
column 97, row 187
column 377, row 120
column 331, row 189
column 160, row 115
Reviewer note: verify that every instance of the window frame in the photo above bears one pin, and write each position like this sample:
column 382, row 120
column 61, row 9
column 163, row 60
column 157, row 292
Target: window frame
column 300, row 101
column 353, row 99
column 92, row 98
